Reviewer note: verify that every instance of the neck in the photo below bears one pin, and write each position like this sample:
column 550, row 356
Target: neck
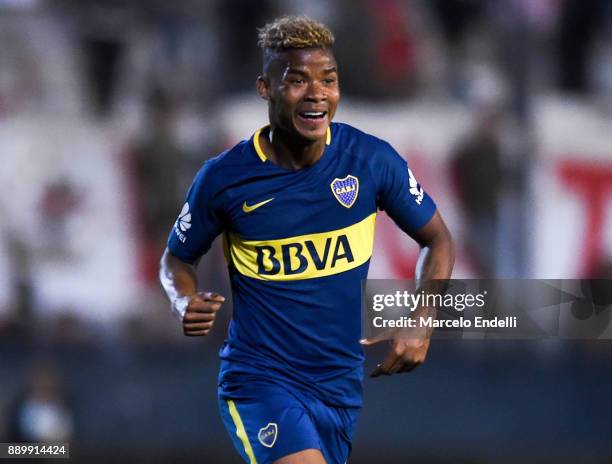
column 290, row 152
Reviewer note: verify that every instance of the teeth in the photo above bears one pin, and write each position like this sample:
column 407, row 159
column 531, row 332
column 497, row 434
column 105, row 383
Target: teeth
column 313, row 114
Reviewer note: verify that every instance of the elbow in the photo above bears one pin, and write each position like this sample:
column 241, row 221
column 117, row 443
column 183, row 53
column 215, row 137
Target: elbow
column 163, row 266
column 164, row 258
column 163, row 261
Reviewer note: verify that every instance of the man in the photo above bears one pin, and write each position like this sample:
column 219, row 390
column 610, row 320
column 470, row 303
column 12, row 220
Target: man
column 296, row 205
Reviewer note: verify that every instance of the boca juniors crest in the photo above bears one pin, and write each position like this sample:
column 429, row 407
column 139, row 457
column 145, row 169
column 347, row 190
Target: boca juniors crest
column 267, row 435
column 345, row 190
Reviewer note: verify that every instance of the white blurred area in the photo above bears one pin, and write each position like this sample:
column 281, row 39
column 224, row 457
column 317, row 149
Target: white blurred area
column 101, row 103
column 65, row 217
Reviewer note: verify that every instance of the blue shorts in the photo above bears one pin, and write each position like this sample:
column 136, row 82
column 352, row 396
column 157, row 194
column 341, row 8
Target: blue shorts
column 267, row 421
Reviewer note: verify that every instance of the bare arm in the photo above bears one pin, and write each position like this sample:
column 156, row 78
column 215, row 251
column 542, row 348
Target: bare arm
column 437, row 257
column 196, row 310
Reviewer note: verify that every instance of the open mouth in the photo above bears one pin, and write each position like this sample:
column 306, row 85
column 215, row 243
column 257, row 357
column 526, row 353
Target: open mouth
column 312, row 116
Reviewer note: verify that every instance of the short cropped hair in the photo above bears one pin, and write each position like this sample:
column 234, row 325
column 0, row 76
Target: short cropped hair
column 294, row 32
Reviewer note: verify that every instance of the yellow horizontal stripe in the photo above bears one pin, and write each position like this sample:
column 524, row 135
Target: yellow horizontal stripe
column 241, row 432
column 304, row 256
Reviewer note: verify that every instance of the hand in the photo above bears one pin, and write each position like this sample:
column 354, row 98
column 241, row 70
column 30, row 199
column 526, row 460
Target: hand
column 198, row 312
column 405, row 354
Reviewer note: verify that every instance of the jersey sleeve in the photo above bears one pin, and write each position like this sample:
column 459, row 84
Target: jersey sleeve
column 198, row 223
column 399, row 193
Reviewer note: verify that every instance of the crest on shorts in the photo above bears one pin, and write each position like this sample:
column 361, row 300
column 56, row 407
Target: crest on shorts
column 267, row 435
column 345, row 190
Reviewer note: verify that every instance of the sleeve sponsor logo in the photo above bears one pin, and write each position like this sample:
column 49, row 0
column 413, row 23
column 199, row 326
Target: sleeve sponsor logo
column 415, row 188
column 183, row 223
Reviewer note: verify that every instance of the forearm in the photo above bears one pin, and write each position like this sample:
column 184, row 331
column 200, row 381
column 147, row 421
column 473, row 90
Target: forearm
column 436, row 260
column 178, row 279
column 434, row 266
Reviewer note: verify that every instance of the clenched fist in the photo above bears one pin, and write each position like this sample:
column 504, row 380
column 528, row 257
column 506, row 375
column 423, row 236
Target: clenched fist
column 197, row 312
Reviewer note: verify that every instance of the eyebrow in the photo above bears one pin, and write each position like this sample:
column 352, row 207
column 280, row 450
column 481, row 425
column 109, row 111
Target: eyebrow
column 295, row 71
column 299, row 71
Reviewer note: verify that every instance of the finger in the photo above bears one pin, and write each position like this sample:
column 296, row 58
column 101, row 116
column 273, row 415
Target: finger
column 369, row 341
column 384, row 335
column 398, row 349
column 397, row 366
column 198, row 317
column 406, row 353
column 412, row 363
column 388, row 362
column 376, row 372
column 211, row 296
column 217, row 297
column 197, row 326
column 394, row 356
column 407, row 367
column 197, row 333
column 203, row 307
column 403, row 365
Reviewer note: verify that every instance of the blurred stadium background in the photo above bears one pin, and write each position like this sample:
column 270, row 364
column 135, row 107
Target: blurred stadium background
column 108, row 108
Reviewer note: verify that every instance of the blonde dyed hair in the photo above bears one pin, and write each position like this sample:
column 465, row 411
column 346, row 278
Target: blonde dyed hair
column 294, row 32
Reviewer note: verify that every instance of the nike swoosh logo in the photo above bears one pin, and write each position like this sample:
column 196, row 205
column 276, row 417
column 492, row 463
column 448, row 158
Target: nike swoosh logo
column 248, row 209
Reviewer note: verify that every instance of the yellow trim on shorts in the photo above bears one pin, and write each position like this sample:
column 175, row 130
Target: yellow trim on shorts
column 241, row 432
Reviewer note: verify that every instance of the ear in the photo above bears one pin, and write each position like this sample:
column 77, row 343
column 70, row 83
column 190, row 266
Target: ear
column 263, row 87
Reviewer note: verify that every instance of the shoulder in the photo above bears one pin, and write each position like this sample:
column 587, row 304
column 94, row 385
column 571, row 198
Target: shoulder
column 218, row 170
column 368, row 147
column 348, row 135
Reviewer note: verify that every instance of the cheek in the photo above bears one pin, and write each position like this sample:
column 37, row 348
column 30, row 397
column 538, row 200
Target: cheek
column 334, row 97
column 287, row 100
column 292, row 95
column 280, row 108
column 334, row 94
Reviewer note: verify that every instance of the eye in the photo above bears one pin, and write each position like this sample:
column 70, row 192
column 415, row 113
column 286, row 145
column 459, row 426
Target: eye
column 297, row 81
column 330, row 80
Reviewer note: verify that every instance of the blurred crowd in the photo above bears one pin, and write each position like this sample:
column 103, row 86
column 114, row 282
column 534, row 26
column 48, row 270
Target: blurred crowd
column 108, row 108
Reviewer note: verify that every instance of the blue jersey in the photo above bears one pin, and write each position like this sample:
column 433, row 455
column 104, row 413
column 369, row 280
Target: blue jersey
column 298, row 245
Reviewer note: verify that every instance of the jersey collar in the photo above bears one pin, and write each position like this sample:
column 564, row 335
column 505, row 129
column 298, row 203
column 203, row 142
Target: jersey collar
column 262, row 155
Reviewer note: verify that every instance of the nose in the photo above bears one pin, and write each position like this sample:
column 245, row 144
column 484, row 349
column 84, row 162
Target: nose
column 315, row 92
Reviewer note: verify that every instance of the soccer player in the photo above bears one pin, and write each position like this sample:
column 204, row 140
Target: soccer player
column 296, row 205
